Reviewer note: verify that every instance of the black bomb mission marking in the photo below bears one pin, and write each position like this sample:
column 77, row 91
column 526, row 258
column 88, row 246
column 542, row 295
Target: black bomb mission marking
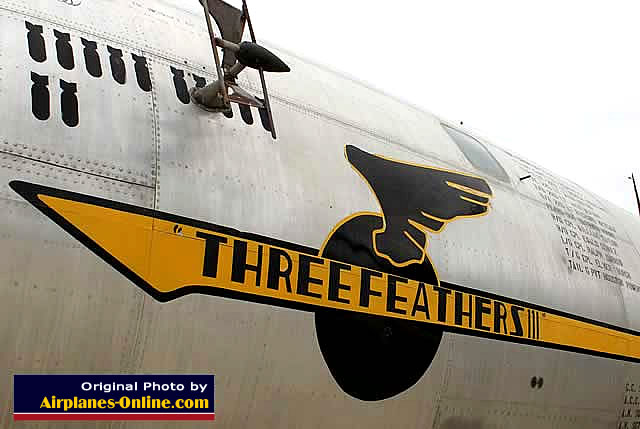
column 40, row 100
column 69, row 105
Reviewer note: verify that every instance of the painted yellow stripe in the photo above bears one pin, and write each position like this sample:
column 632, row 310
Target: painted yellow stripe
column 474, row 201
column 169, row 261
column 469, row 190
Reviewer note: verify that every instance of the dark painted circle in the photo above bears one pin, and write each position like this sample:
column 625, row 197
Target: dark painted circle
column 534, row 382
column 373, row 358
column 540, row 382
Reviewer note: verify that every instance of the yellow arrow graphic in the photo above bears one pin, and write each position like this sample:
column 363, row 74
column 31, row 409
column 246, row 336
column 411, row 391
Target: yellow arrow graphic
column 169, row 256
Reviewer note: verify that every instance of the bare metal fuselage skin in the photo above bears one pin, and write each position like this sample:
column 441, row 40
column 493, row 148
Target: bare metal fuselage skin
column 95, row 109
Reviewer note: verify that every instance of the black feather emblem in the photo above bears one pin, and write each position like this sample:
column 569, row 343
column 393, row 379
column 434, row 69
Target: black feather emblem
column 416, row 200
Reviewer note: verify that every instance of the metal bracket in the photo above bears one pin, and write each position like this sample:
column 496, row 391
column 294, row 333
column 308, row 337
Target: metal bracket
column 215, row 97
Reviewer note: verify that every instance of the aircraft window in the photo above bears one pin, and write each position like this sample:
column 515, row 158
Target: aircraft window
column 477, row 154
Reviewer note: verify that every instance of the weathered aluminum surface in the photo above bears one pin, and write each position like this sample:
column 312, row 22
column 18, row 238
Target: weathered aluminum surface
column 64, row 310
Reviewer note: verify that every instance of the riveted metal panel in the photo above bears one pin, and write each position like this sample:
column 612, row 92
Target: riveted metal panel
column 15, row 167
column 260, row 352
column 61, row 309
column 310, row 185
column 488, row 370
column 478, row 414
column 110, row 19
column 296, row 188
column 370, row 111
column 582, row 239
column 225, row 171
column 487, row 257
column 176, row 36
column 114, row 134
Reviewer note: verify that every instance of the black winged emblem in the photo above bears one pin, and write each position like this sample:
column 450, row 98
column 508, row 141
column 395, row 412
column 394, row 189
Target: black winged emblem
column 416, row 200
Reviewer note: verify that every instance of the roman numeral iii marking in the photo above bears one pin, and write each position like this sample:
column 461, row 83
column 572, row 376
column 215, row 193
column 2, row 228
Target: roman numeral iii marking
column 216, row 260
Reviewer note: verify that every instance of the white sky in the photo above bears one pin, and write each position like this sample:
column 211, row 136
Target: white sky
column 557, row 82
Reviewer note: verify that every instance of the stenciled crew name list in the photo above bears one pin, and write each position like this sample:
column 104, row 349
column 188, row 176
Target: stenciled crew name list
column 590, row 242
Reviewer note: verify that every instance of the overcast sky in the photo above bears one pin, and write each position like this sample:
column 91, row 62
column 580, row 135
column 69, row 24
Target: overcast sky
column 554, row 81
